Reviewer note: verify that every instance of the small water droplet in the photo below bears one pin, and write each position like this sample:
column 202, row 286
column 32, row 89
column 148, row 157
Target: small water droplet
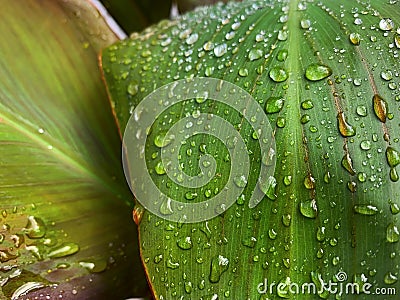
column 274, row 104
column 309, row 182
column 192, row 39
column 159, row 168
column 315, row 72
column 321, row 234
column 361, row 111
column 284, row 285
column 63, row 250
column 394, row 208
column 365, row 145
column 308, row 208
column 392, row 156
column 268, row 187
column 94, row 265
column 345, row 128
column 380, row 107
column 282, row 35
column 390, row 278
column 165, row 207
column 307, row 104
column 387, row 75
column 240, row 181
column 133, row 88
column 243, row 72
column 286, row 220
column 392, row 233
column 305, row 23
column 278, row 74
column 219, row 265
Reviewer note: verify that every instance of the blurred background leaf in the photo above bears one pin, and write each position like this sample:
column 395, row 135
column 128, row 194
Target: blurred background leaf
column 66, row 224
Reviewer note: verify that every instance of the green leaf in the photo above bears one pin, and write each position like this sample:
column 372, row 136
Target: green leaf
column 66, row 224
column 327, row 75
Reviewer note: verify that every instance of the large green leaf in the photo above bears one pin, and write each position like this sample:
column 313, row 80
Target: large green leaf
column 66, row 221
column 332, row 214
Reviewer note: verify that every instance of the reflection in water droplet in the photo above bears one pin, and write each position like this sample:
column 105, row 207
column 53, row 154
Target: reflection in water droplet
column 282, row 55
column 219, row 265
column 274, row 104
column 380, row 107
column 315, row 72
column 305, row 23
column 220, row 50
column 309, row 208
column 278, row 74
column 386, row 24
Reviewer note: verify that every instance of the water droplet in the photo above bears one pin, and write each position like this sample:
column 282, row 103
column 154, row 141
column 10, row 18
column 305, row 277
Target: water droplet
column 355, row 38
column 392, row 233
column 305, row 119
column 287, row 180
column 243, row 72
column 282, row 35
column 249, row 242
column 321, row 234
column 208, row 46
column 63, row 250
column 190, row 195
column 185, row 243
column 394, row 208
column 309, row 208
column 386, row 24
column 392, row 156
column 272, row 234
column 219, row 265
column 220, row 50
column 35, row 228
column 315, row 72
column 347, row 163
column 159, row 168
column 317, row 279
column 188, row 286
column 365, row 145
column 380, row 107
column 309, row 182
column 365, row 209
column 345, row 128
column 307, row 104
column 387, row 75
column 397, row 40
column 280, row 122
column 192, row 39
column 286, row 220
column 361, row 111
column 320, row 253
column 240, row 181
column 274, row 104
column 283, row 291
column 390, row 278
column 305, row 23
column 278, row 74
column 133, row 88
column 255, row 54
column 163, row 140
column 94, row 265
column 26, row 288
column 282, row 55
column 165, row 207
column 268, row 187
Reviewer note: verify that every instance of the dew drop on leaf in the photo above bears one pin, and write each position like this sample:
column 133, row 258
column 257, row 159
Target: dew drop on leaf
column 274, row 104
column 347, row 163
column 392, row 233
column 345, row 128
column 390, row 278
column 63, row 250
column 220, row 50
column 282, row 55
column 365, row 209
column 392, row 156
column 355, row 38
column 307, row 104
column 162, row 139
column 386, row 24
column 35, row 228
column 315, row 72
column 278, row 74
column 380, row 107
column 219, row 265
column 255, row 54
column 386, row 75
column 185, row 243
column 308, row 208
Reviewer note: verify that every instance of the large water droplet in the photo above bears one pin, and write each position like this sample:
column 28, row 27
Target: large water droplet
column 255, row 54
column 355, row 38
column 380, row 107
column 392, row 156
column 390, row 278
column 220, row 50
column 387, row 75
column 386, row 24
column 162, row 139
column 315, row 72
column 63, row 250
column 309, row 208
column 365, row 209
column 274, row 104
column 282, row 55
column 133, row 88
column 392, row 233
column 347, row 163
column 278, row 74
column 185, row 243
column 219, row 265
column 94, row 265
column 307, row 104
column 345, row 128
